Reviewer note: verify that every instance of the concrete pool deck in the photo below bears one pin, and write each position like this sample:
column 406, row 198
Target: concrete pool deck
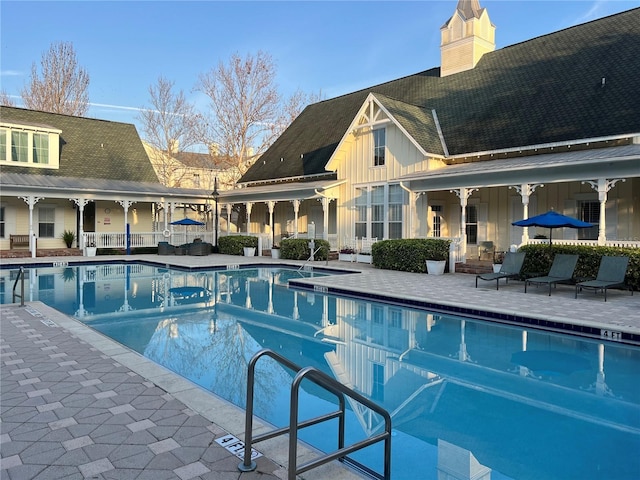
column 77, row 405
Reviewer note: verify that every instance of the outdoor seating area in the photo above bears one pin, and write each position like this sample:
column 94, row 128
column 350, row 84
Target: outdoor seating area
column 510, row 268
column 611, row 274
column 561, row 271
column 197, row 248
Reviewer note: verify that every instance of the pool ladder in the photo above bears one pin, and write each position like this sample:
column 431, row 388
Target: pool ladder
column 330, row 384
column 15, row 285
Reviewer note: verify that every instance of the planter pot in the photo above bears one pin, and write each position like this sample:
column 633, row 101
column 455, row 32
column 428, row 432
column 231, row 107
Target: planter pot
column 249, row 251
column 436, row 267
column 91, row 251
column 346, row 257
column 497, row 267
column 362, row 258
column 275, row 253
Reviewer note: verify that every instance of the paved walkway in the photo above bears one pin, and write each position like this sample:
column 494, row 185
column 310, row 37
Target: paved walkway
column 77, row 405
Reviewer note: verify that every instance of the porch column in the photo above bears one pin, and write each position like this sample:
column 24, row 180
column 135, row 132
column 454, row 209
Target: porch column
column 296, row 209
column 125, row 205
column 413, row 209
column 526, row 190
column 249, row 206
column 31, row 200
column 172, row 211
column 271, row 205
column 81, row 203
column 228, row 205
column 325, row 218
column 464, row 194
column 602, row 186
column 165, row 208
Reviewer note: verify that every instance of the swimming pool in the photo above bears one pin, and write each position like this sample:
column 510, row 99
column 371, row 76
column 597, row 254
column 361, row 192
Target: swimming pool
column 468, row 398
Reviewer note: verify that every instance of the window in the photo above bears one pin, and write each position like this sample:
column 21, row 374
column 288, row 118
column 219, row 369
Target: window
column 361, row 212
column 40, row 148
column 29, row 146
column 2, row 222
column 379, row 211
column 19, row 146
column 396, row 200
column 377, row 389
column 46, row 222
column 379, row 147
column 589, row 212
column 436, row 220
column 472, row 224
column 196, row 180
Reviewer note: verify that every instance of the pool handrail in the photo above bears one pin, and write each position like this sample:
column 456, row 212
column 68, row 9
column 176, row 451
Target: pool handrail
column 330, row 384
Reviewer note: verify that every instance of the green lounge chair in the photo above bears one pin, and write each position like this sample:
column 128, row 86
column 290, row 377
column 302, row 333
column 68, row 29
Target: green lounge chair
column 562, row 270
column 510, row 268
column 611, row 273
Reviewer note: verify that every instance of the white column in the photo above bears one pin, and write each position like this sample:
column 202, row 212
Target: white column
column 31, row 200
column 249, row 206
column 464, row 194
column 325, row 218
column 296, row 209
column 526, row 190
column 271, row 205
column 81, row 203
column 228, row 218
column 602, row 186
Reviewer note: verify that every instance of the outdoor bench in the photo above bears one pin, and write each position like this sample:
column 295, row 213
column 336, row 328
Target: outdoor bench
column 18, row 241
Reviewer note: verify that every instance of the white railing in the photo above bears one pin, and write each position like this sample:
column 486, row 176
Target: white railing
column 586, row 243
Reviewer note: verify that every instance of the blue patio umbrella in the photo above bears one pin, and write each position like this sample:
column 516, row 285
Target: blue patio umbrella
column 187, row 221
column 551, row 220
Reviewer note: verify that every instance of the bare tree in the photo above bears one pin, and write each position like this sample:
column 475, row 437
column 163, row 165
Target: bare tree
column 244, row 104
column 5, row 100
column 290, row 110
column 63, row 87
column 170, row 126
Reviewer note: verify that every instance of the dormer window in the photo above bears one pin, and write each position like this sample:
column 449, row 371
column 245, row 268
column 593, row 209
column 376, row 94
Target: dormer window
column 379, row 147
column 29, row 146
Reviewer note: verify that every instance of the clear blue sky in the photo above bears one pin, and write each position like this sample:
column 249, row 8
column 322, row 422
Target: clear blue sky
column 323, row 47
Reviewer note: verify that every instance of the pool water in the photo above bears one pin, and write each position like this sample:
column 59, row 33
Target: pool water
column 469, row 399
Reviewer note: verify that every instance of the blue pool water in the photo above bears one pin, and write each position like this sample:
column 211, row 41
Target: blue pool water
column 468, row 398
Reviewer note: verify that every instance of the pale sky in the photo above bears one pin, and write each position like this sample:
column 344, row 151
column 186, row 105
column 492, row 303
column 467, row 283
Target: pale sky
column 328, row 48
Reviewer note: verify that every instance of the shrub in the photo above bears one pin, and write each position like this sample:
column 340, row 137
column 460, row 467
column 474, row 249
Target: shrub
column 298, row 249
column 540, row 257
column 409, row 254
column 68, row 237
column 234, row 244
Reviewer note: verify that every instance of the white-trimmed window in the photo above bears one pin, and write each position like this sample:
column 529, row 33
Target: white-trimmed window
column 436, row 220
column 472, row 224
column 379, row 147
column 589, row 212
column 379, row 211
column 46, row 222
column 29, row 146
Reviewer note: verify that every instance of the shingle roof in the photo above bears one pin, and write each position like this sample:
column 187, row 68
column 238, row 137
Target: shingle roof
column 578, row 83
column 89, row 148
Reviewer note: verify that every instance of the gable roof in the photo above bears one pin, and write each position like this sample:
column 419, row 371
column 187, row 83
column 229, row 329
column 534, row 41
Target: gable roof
column 575, row 84
column 89, row 148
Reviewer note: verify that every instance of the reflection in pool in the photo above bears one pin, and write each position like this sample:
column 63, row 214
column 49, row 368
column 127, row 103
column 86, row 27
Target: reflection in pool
column 469, row 399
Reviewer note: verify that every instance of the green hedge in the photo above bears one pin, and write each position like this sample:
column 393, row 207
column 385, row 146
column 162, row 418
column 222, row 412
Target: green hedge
column 540, row 257
column 409, row 254
column 298, row 249
column 234, row 244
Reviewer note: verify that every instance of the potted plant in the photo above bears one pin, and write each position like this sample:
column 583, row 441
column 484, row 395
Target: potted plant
column 275, row 251
column 498, row 258
column 364, row 257
column 68, row 237
column 347, row 254
column 91, row 249
column 437, row 256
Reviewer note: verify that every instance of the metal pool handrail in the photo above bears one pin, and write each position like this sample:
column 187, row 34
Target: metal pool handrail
column 330, row 384
column 15, row 285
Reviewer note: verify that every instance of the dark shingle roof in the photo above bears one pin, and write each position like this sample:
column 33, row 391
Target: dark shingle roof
column 89, row 148
column 545, row 90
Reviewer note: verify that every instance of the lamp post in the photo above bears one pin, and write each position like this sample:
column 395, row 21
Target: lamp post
column 215, row 194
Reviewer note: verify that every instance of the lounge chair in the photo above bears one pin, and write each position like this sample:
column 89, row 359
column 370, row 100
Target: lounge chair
column 165, row 248
column 510, row 268
column 561, row 271
column 611, row 273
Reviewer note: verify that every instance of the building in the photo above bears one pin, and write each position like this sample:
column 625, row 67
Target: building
column 92, row 177
column 462, row 151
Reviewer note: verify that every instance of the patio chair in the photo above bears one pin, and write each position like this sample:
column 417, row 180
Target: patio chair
column 611, row 274
column 561, row 270
column 511, row 267
column 165, row 248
